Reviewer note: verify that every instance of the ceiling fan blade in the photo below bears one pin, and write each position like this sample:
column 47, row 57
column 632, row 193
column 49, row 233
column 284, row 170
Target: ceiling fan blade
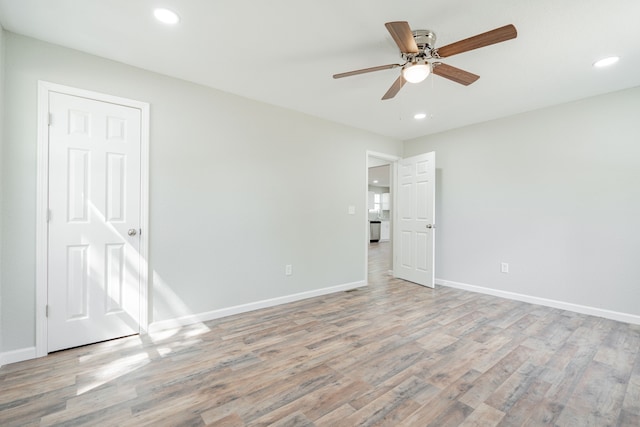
column 365, row 70
column 454, row 74
column 395, row 88
column 498, row 35
column 403, row 36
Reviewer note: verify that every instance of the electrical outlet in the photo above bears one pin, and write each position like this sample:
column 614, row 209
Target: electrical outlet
column 288, row 270
column 504, row 267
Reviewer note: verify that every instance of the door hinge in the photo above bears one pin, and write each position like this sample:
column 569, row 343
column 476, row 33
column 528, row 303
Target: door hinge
column 46, row 310
column 48, row 215
column 50, row 119
column 140, row 232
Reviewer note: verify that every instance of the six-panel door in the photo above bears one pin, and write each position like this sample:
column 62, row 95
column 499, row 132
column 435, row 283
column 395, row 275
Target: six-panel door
column 94, row 202
column 414, row 241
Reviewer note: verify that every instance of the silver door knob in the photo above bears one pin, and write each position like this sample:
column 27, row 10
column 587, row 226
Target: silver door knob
column 132, row 232
column 429, row 225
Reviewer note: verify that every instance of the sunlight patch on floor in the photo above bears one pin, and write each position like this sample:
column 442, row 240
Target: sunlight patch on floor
column 111, row 371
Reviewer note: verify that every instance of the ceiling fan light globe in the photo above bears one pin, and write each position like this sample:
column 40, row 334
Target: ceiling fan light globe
column 415, row 73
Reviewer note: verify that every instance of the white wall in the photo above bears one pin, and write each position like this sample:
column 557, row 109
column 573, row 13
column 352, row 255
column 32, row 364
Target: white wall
column 1, row 169
column 238, row 190
column 555, row 193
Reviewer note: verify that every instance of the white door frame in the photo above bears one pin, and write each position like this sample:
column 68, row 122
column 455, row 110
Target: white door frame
column 393, row 160
column 42, row 203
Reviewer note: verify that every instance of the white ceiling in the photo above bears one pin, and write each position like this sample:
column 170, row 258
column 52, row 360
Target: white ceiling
column 380, row 176
column 284, row 52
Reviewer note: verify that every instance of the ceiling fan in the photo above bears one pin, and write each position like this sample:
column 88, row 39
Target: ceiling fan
column 421, row 57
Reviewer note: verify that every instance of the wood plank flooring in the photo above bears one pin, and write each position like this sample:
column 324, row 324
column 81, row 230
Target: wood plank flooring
column 390, row 354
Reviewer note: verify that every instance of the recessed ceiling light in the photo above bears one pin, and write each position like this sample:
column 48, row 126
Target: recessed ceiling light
column 605, row 62
column 375, row 181
column 420, row 116
column 166, row 16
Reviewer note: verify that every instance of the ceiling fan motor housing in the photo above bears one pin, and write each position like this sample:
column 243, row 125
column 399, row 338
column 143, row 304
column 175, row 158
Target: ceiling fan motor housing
column 425, row 39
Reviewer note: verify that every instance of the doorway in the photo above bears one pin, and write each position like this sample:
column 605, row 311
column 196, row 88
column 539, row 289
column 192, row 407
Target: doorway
column 411, row 253
column 380, row 214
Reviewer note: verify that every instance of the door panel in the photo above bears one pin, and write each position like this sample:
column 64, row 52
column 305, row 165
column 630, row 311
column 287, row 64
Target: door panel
column 78, row 183
column 114, row 277
column 406, row 254
column 94, row 199
column 414, row 245
column 422, row 252
column 77, row 282
column 116, row 174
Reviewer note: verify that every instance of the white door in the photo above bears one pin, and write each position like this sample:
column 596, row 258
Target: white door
column 415, row 226
column 94, row 219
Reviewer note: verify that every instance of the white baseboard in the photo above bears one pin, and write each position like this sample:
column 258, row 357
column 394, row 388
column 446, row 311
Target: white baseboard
column 30, row 352
column 583, row 309
column 20, row 355
column 230, row 311
column 17, row 355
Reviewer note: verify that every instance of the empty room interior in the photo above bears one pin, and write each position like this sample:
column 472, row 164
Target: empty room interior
column 315, row 213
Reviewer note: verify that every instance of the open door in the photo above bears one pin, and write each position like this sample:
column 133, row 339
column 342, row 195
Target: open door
column 413, row 241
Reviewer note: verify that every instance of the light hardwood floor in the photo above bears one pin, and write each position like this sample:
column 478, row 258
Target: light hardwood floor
column 392, row 354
